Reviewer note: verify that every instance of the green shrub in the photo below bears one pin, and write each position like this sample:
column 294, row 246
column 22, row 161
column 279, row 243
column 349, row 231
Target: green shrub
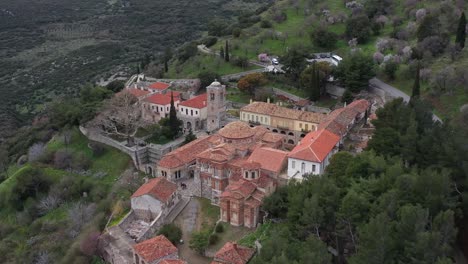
column 219, row 228
column 213, row 239
column 172, row 232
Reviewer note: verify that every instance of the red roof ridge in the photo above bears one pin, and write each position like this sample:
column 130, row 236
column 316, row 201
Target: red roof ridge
column 155, row 248
column 198, row 102
column 159, row 188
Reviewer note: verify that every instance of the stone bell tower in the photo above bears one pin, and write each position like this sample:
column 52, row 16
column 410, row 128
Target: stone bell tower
column 216, row 105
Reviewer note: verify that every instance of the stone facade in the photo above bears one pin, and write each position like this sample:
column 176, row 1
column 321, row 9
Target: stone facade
column 216, row 105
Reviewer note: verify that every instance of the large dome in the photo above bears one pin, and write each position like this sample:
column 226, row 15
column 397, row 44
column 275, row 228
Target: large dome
column 236, row 130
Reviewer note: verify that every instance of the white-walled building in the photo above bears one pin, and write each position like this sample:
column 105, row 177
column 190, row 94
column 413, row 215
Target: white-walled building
column 193, row 112
column 158, row 106
column 312, row 154
column 157, row 196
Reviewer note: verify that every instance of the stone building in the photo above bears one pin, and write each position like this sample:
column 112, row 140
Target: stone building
column 157, row 106
column 157, row 250
column 231, row 253
column 216, row 110
column 290, row 122
column 193, row 113
column 155, row 198
column 238, row 154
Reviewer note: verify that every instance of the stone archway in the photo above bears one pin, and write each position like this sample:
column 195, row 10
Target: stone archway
column 275, row 131
column 291, row 142
column 291, row 134
column 282, row 132
column 189, row 125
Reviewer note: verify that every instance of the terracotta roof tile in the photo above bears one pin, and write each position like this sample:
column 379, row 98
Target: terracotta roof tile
column 160, row 99
column 315, row 146
column 231, row 253
column 243, row 188
column 185, row 154
column 198, row 102
column 283, row 112
column 159, row 188
column 270, row 159
column 160, row 86
column 173, row 261
column 136, row 92
column 236, row 130
column 155, row 248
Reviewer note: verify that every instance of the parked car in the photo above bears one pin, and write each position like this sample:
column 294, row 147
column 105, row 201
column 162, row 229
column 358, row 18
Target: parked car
column 275, row 61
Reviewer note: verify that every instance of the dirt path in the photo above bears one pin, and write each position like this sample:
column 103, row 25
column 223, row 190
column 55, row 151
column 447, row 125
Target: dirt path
column 189, row 222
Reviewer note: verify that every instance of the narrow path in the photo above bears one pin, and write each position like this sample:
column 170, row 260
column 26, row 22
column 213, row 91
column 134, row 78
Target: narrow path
column 394, row 92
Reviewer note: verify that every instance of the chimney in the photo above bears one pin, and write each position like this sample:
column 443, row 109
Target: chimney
column 204, row 103
column 268, row 100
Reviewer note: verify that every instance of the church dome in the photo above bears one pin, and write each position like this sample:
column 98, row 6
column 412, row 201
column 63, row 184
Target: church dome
column 236, row 130
column 215, row 83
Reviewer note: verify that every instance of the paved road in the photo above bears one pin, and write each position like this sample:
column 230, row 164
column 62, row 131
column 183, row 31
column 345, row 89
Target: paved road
column 394, row 92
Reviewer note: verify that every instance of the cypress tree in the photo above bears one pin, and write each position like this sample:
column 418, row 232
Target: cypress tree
column 166, row 67
column 226, row 52
column 416, row 86
column 174, row 123
column 314, row 84
column 221, row 52
column 461, row 31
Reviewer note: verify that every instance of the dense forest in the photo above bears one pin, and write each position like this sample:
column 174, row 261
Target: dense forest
column 401, row 201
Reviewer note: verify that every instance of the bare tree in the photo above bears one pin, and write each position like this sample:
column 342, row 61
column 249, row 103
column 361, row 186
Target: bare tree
column 36, row 151
column 42, row 258
column 79, row 214
column 121, row 116
column 443, row 80
column 48, row 203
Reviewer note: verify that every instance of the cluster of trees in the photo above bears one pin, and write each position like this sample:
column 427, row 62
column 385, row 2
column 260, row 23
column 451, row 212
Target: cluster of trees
column 397, row 202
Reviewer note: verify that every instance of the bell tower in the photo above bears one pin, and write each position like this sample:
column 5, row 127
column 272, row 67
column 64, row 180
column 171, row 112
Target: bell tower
column 216, row 105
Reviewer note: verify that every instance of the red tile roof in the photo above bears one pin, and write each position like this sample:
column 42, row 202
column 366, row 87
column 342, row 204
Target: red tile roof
column 198, row 102
column 270, row 159
column 231, row 253
column 159, row 188
column 136, row 92
column 155, row 248
column 236, row 130
column 185, row 154
column 338, row 121
column 160, row 86
column 315, row 146
column 173, row 261
column 159, row 99
column 241, row 189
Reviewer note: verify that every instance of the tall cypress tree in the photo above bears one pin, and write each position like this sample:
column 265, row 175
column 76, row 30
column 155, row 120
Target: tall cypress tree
column 226, row 52
column 174, row 122
column 461, row 31
column 416, row 86
column 314, row 84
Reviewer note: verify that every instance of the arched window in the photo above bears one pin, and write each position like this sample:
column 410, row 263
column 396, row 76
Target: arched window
column 246, row 175
column 291, row 141
column 291, row 134
column 303, row 167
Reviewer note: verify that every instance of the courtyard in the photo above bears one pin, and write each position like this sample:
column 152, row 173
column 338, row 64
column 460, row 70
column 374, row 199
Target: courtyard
column 200, row 215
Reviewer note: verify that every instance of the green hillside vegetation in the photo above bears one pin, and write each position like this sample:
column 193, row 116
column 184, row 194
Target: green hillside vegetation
column 51, row 208
column 48, row 54
column 390, row 204
column 385, row 30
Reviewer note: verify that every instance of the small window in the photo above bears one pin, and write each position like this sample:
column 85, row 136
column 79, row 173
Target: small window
column 246, row 175
column 196, row 112
column 306, row 127
column 191, row 112
column 252, row 175
column 313, row 168
column 186, row 111
column 303, row 167
column 212, row 96
column 293, row 164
